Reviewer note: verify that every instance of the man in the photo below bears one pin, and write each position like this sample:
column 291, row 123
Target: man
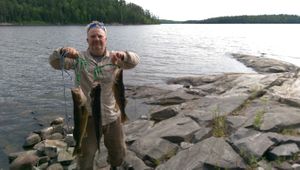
column 97, row 56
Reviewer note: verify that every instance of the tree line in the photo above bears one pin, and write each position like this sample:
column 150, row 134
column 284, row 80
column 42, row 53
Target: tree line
column 249, row 19
column 73, row 12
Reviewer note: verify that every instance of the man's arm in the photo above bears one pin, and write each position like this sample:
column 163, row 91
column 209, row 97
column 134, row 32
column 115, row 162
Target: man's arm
column 125, row 59
column 55, row 58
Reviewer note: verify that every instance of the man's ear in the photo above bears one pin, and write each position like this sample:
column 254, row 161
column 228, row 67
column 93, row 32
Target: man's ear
column 87, row 40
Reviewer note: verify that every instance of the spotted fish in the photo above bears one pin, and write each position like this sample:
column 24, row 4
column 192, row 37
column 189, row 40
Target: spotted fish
column 119, row 94
column 80, row 117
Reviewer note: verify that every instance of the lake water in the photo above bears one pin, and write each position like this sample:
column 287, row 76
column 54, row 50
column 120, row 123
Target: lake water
column 32, row 92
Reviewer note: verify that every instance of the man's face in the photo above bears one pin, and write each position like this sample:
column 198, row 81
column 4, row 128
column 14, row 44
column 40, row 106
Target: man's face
column 97, row 40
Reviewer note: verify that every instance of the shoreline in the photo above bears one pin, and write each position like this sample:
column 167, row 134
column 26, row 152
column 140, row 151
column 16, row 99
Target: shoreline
column 178, row 130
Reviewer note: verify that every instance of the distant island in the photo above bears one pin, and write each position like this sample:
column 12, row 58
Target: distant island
column 72, row 12
column 243, row 19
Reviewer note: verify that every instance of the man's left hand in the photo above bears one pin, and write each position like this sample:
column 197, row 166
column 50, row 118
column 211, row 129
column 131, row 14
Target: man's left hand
column 117, row 56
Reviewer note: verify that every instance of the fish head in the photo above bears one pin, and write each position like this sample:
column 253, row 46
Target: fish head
column 79, row 96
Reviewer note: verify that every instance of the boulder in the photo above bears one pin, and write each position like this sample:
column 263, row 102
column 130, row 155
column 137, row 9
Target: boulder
column 31, row 140
column 65, row 157
column 137, row 129
column 209, row 107
column 265, row 65
column 154, row 150
column 13, row 156
column 201, row 134
column 285, row 150
column 24, row 161
column 163, row 113
column 251, row 144
column 134, row 161
column 55, row 166
column 210, row 153
column 172, row 98
column 57, row 121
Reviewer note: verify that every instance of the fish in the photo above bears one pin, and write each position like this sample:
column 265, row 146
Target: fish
column 119, row 94
column 96, row 111
column 80, row 115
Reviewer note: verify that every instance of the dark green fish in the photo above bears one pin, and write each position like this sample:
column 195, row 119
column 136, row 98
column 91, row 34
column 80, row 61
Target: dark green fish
column 119, row 93
column 96, row 111
column 80, row 117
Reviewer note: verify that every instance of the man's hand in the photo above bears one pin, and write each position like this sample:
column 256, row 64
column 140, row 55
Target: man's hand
column 71, row 52
column 117, row 56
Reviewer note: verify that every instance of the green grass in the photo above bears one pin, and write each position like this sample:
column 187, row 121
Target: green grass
column 258, row 119
column 219, row 126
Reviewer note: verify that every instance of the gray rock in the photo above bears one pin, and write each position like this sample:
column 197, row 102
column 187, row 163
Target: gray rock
column 195, row 80
column 265, row 65
column 55, row 166
column 13, row 156
column 235, row 122
column 69, row 139
column 43, row 166
column 250, row 143
column 185, row 145
column 48, row 131
column 211, row 152
column 57, row 121
column 176, row 130
column 53, row 146
column 296, row 166
column 65, row 157
column 154, row 150
column 172, row 98
column 100, row 161
column 134, row 161
column 285, row 150
column 56, row 136
column 201, row 134
column 135, row 130
column 283, row 165
column 145, row 91
column 24, row 161
column 207, row 108
column 163, row 113
column 31, row 140
column 279, row 117
column 50, row 151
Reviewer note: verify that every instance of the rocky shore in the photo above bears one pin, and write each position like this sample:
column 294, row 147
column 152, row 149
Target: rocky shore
column 218, row 121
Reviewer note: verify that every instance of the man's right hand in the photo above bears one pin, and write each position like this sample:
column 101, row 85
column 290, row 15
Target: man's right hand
column 71, row 52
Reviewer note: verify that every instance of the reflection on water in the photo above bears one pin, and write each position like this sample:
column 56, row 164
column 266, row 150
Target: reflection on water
column 29, row 84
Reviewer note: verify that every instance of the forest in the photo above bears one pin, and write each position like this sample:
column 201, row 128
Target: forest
column 65, row 12
column 259, row 19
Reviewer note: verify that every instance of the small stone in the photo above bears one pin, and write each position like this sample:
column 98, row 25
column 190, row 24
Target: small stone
column 24, row 162
column 144, row 117
column 13, row 156
column 46, row 132
column 55, row 166
column 69, row 139
column 65, row 157
column 56, row 136
column 185, row 145
column 31, row 140
column 51, row 151
column 57, row 121
column 43, row 165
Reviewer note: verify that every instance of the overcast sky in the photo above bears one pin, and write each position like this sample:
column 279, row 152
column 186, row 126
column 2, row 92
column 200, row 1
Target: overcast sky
column 202, row 9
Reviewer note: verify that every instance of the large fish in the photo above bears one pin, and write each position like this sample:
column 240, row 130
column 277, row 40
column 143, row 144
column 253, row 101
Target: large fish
column 80, row 117
column 119, row 93
column 96, row 111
